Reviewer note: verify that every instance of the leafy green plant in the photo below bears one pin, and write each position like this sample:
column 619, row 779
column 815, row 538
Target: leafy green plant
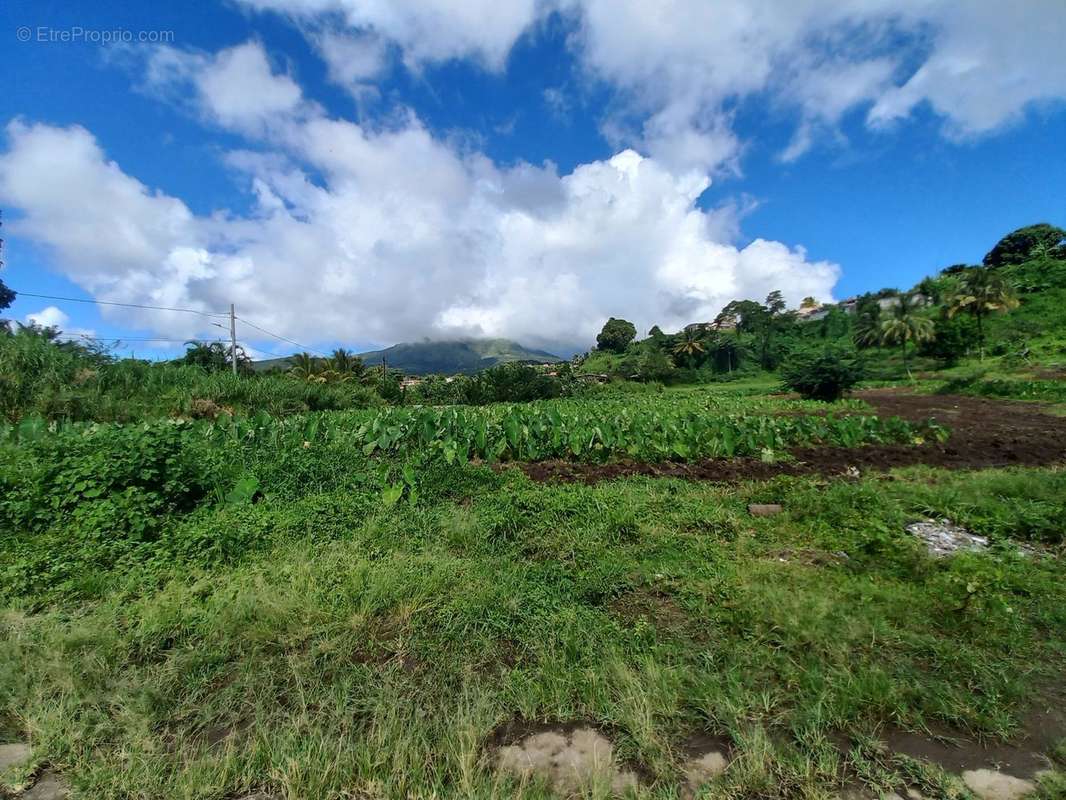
column 822, row 374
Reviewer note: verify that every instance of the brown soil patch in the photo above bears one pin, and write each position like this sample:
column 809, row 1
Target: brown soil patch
column 963, row 755
column 657, row 607
column 1041, row 727
column 984, row 433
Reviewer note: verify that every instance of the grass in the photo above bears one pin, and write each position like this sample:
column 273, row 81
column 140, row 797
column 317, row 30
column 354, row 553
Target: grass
column 185, row 614
column 359, row 651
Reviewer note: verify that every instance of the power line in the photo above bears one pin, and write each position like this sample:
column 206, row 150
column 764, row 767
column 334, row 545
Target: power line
column 126, row 338
column 264, row 352
column 124, row 305
column 282, row 338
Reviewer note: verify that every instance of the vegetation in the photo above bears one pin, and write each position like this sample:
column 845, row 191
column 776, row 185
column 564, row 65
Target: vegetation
column 905, row 324
column 1033, row 241
column 824, row 375
column 70, row 381
column 616, row 335
column 981, row 293
column 214, row 609
column 317, row 583
column 459, row 357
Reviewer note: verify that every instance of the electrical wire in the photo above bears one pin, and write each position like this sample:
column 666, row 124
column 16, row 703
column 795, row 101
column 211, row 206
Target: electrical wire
column 124, row 305
column 282, row 338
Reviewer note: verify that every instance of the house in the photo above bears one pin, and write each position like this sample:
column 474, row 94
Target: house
column 812, row 313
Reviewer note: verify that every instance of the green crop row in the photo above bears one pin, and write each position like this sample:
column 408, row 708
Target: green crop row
column 583, row 431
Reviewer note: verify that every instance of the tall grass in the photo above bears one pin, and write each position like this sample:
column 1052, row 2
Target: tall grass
column 71, row 382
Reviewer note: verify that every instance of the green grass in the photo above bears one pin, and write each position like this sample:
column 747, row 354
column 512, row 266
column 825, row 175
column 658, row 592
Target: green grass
column 347, row 649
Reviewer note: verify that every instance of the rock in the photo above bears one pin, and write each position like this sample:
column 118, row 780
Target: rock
column 570, row 762
column 49, row 786
column 989, row 784
column 944, row 538
column 13, row 754
column 764, row 509
column 700, row 770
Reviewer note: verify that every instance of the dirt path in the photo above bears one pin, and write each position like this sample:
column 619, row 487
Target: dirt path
column 984, row 433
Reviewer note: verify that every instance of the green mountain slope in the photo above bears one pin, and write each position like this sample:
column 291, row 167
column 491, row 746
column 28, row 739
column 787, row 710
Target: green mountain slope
column 445, row 358
column 463, row 356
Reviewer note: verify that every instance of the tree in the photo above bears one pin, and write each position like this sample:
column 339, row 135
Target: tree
column 215, row 356
column 616, row 335
column 1032, row 241
column 905, row 325
column 868, row 321
column 7, row 297
column 690, row 347
column 305, row 366
column 346, row 363
column 726, row 352
column 951, row 339
column 775, row 303
column 822, row 374
column 981, row 293
column 808, row 302
column 655, row 365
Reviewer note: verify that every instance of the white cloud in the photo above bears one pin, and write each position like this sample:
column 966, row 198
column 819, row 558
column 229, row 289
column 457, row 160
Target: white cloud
column 678, row 68
column 426, row 30
column 235, row 88
column 989, row 63
column 50, row 317
column 53, row 317
column 403, row 236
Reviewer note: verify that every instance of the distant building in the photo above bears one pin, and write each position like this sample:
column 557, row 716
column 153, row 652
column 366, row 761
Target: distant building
column 812, row 313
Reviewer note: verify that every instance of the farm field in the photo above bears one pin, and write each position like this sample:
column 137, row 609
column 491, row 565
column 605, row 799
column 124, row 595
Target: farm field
column 565, row 596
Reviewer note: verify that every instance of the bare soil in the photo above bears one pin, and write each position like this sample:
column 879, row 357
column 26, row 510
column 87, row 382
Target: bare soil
column 984, row 433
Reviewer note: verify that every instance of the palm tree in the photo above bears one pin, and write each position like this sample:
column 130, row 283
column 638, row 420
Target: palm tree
column 305, row 366
column 690, row 346
column 905, row 325
column 981, row 293
column 868, row 330
column 346, row 363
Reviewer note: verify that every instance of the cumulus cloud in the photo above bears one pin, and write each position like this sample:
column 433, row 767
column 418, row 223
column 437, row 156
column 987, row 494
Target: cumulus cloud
column 53, row 317
column 398, row 236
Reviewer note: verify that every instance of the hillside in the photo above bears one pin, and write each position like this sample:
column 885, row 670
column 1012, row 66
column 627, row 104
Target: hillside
column 463, row 356
column 466, row 356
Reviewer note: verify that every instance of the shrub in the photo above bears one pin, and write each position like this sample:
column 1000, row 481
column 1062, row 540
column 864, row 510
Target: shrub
column 822, row 375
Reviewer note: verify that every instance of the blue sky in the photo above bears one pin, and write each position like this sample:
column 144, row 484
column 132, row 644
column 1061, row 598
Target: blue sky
column 353, row 173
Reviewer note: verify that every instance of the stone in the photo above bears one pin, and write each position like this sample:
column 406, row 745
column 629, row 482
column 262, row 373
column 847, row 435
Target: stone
column 989, row 784
column 49, row 786
column 764, row 509
column 700, row 770
column 944, row 538
column 13, row 754
column 571, row 762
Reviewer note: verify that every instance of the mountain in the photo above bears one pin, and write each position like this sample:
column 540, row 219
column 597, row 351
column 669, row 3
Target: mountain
column 445, row 358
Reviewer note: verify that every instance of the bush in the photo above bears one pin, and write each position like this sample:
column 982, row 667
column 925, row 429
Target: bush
column 822, row 375
column 616, row 335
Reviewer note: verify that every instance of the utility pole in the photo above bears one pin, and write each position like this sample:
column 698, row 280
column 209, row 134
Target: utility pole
column 233, row 338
